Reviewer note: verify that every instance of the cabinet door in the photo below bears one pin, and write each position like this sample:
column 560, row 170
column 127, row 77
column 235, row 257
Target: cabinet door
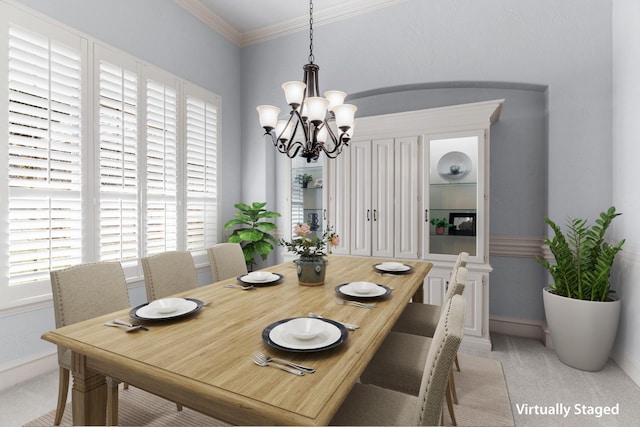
column 453, row 191
column 339, row 200
column 382, row 215
column 360, row 188
column 407, row 220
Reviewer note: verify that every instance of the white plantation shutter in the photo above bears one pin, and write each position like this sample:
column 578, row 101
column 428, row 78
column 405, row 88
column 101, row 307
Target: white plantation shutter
column 118, row 130
column 44, row 156
column 162, row 172
column 201, row 122
column 109, row 162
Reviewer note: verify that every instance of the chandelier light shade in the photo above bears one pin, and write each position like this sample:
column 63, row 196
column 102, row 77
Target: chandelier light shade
column 315, row 124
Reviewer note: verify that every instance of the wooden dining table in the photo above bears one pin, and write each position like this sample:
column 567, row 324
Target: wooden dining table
column 203, row 361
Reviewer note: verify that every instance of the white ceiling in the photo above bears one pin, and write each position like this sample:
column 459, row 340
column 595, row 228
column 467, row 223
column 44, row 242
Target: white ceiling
column 250, row 21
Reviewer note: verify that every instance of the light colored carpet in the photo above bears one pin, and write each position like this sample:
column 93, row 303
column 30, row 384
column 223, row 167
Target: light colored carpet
column 482, row 395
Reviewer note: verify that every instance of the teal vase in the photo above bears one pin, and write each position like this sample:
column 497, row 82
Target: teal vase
column 311, row 270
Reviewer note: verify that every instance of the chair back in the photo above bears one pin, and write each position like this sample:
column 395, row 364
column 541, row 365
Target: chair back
column 461, row 260
column 168, row 273
column 85, row 291
column 442, row 353
column 456, row 282
column 227, row 261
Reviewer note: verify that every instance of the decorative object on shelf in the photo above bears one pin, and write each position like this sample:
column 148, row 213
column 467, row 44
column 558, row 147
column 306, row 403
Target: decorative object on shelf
column 319, row 183
column 581, row 313
column 441, row 224
column 304, row 179
column 462, row 224
column 307, row 127
column 314, row 221
column 454, row 166
column 311, row 265
column 254, row 232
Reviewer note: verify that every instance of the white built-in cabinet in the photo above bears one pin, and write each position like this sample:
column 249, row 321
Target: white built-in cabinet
column 400, row 171
column 383, row 191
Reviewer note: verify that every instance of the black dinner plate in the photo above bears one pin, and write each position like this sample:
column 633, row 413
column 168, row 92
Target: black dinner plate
column 257, row 284
column 380, row 270
column 363, row 296
column 344, row 334
column 133, row 313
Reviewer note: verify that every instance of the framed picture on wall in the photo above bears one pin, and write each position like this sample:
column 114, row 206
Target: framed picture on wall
column 463, row 223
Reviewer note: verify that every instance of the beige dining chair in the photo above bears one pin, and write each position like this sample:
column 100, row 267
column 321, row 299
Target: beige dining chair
column 369, row 404
column 168, row 273
column 79, row 293
column 421, row 319
column 227, row 261
column 399, row 361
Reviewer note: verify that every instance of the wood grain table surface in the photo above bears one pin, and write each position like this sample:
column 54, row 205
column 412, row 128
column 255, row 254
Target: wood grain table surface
column 204, row 361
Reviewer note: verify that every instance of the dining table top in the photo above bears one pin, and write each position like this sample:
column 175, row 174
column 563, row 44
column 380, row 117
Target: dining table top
column 203, row 361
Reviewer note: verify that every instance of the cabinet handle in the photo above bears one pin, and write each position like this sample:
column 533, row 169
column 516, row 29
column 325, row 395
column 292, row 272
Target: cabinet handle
column 368, row 214
column 426, row 215
column 375, row 214
column 324, row 214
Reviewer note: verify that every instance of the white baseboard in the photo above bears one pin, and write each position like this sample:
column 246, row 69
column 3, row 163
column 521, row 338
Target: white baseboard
column 25, row 370
column 536, row 329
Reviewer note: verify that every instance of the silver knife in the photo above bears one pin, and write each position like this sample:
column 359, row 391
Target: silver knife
column 131, row 325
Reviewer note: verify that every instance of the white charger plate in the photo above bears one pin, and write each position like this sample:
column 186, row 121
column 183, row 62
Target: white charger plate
column 274, row 277
column 375, row 292
column 403, row 269
column 280, row 336
column 145, row 312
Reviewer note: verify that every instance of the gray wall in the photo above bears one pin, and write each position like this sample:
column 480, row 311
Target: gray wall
column 626, row 196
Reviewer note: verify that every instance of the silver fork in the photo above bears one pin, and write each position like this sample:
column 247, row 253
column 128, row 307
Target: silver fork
column 243, row 287
column 262, row 362
column 266, row 359
column 355, row 303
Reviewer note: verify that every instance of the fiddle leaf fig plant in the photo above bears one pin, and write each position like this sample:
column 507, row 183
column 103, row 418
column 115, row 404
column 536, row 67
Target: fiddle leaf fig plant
column 253, row 231
column 583, row 258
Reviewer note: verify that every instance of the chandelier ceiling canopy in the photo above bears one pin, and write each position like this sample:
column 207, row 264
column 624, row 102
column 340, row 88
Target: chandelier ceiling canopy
column 315, row 124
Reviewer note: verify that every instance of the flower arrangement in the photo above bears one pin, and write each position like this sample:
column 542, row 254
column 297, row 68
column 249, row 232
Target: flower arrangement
column 311, row 246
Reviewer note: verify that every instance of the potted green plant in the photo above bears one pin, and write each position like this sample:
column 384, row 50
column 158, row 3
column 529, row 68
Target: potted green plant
column 253, row 231
column 581, row 313
column 305, row 179
column 441, row 224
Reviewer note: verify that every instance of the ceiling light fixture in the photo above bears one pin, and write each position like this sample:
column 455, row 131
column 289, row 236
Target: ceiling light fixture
column 307, row 127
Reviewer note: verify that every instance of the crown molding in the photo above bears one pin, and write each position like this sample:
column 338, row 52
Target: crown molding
column 203, row 13
column 321, row 17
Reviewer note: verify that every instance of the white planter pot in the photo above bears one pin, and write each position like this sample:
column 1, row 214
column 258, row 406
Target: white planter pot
column 583, row 332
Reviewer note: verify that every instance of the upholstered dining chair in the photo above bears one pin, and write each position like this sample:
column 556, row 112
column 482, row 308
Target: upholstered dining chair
column 79, row 293
column 421, row 319
column 399, row 361
column 227, row 261
column 369, row 404
column 168, row 273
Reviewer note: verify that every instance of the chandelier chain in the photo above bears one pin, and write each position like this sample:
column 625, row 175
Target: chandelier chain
column 311, row 57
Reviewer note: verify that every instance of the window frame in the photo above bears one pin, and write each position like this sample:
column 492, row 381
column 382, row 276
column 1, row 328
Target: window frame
column 92, row 50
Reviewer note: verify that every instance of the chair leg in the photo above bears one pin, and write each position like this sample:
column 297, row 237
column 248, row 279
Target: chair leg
column 452, row 383
column 112, row 401
column 457, row 363
column 63, row 390
column 126, row 386
column 179, row 407
column 447, row 395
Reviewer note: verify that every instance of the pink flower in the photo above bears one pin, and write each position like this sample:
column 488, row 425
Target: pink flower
column 334, row 240
column 301, row 230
